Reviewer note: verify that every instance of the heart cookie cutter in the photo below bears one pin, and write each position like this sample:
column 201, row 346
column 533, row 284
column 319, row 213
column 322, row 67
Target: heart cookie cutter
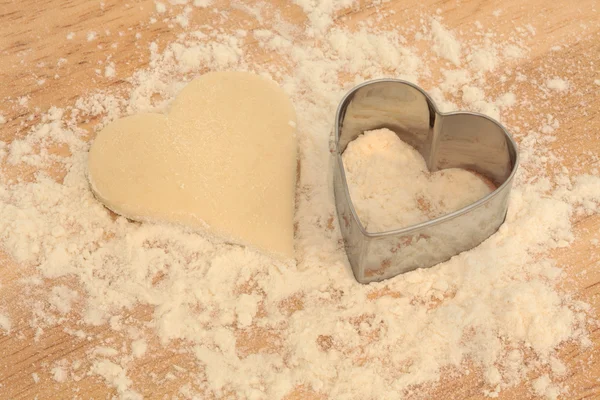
column 465, row 140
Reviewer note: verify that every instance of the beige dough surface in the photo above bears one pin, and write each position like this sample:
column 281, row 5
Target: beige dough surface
column 222, row 159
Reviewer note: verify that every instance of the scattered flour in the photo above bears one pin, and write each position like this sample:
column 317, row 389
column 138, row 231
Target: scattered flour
column 203, row 3
column 116, row 376
column 263, row 330
column 160, row 7
column 109, row 70
column 321, row 13
column 445, row 43
column 391, row 187
column 543, row 387
column 5, row 323
column 62, row 298
column 59, row 373
column 138, row 348
column 23, row 101
column 557, row 84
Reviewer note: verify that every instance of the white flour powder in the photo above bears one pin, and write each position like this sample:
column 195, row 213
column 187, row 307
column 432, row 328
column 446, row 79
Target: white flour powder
column 391, row 187
column 263, row 330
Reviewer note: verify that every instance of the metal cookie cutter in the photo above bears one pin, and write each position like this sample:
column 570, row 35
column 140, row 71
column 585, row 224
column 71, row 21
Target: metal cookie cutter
column 445, row 140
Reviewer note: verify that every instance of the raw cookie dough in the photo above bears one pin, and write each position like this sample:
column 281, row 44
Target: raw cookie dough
column 223, row 158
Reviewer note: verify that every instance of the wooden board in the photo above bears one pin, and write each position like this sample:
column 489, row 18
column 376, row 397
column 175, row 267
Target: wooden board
column 33, row 40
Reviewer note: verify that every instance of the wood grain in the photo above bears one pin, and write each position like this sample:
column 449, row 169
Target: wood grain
column 33, row 45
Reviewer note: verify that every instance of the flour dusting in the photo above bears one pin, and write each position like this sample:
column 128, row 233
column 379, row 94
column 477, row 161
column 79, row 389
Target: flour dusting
column 392, row 188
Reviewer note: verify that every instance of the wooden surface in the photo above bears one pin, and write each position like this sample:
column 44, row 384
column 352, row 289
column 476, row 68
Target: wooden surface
column 33, row 40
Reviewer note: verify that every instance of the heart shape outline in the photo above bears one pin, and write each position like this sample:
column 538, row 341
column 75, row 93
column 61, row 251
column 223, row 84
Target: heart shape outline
column 445, row 140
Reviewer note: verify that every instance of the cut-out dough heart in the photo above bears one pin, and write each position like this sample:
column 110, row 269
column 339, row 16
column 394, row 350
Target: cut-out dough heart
column 222, row 158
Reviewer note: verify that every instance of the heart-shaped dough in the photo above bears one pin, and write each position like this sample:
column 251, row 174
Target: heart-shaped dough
column 222, row 158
